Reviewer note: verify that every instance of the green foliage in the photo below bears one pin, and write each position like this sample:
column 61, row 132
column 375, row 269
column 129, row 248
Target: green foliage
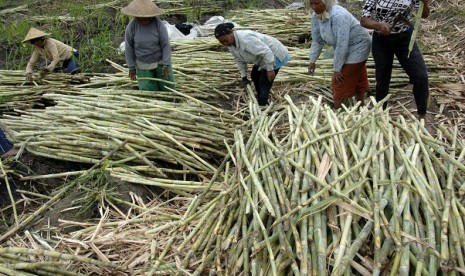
column 97, row 189
column 94, row 29
column 95, row 32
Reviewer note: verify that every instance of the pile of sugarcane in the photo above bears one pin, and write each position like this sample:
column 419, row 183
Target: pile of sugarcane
column 84, row 126
column 311, row 191
column 286, row 25
column 306, row 190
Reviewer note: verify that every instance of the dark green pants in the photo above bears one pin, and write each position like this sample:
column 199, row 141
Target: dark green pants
column 155, row 85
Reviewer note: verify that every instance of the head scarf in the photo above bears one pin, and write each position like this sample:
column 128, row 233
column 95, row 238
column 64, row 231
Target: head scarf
column 329, row 4
column 223, row 28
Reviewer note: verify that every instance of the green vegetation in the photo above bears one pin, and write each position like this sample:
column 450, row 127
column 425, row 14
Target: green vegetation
column 96, row 30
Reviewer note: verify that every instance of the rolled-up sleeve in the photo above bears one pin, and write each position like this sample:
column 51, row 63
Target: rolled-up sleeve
column 317, row 41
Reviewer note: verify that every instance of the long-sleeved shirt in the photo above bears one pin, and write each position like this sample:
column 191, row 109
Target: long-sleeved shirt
column 147, row 44
column 351, row 42
column 387, row 11
column 258, row 49
column 53, row 50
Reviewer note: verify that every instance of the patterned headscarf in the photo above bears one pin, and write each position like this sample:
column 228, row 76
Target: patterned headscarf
column 329, row 4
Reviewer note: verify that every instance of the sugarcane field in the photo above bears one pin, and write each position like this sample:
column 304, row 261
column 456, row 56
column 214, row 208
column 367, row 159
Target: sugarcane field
column 101, row 176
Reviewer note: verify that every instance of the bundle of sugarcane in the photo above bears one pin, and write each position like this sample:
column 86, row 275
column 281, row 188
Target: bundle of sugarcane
column 17, row 77
column 319, row 192
column 83, row 126
column 22, row 261
column 324, row 69
column 13, row 98
column 285, row 25
column 183, row 46
column 308, row 191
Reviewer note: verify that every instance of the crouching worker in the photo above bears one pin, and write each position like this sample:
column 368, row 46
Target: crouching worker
column 266, row 53
column 53, row 51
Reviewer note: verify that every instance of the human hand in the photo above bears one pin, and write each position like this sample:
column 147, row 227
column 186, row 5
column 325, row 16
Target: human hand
column 271, row 75
column 132, row 74
column 311, row 69
column 29, row 77
column 165, row 71
column 338, row 78
column 44, row 72
column 384, row 28
column 245, row 82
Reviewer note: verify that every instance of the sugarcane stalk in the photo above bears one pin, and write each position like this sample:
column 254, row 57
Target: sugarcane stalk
column 416, row 27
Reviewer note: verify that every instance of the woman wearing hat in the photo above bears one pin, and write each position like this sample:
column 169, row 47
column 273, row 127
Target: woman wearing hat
column 147, row 47
column 53, row 50
column 266, row 53
column 334, row 25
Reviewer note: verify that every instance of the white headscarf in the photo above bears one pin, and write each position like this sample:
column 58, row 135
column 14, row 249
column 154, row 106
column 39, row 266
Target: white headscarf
column 329, row 4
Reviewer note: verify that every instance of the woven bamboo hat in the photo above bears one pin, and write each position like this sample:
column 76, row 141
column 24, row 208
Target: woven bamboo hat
column 142, row 8
column 34, row 33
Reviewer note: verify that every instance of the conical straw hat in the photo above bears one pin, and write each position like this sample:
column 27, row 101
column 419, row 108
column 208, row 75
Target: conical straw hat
column 34, row 33
column 142, row 8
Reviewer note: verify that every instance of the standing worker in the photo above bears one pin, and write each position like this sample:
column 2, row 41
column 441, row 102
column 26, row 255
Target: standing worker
column 53, row 50
column 392, row 37
column 334, row 25
column 147, row 46
column 266, row 53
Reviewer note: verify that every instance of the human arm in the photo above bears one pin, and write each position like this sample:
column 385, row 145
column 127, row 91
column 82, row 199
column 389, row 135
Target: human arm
column 30, row 65
column 316, row 47
column 164, row 43
column 311, row 68
column 368, row 22
column 341, row 25
column 426, row 9
column 52, row 48
column 382, row 27
column 242, row 66
column 129, row 50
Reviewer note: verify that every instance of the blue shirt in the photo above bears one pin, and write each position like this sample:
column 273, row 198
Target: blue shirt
column 351, row 42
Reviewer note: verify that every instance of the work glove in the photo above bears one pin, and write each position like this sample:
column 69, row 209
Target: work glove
column 44, row 72
column 245, row 81
column 29, row 77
